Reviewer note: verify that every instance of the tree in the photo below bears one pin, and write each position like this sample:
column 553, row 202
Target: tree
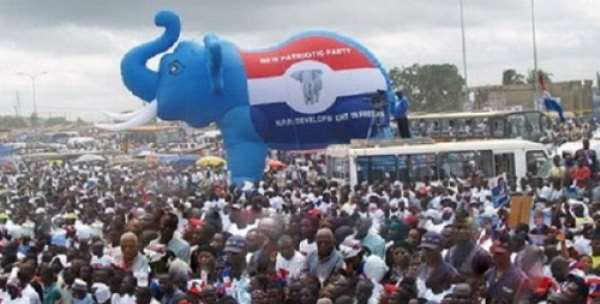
column 511, row 76
column 533, row 77
column 431, row 87
column 34, row 119
column 12, row 122
column 53, row 121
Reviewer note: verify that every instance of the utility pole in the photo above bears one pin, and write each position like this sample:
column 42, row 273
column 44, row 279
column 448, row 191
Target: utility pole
column 464, row 56
column 535, row 57
column 33, row 77
column 17, row 105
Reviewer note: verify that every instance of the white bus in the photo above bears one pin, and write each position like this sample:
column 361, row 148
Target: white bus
column 417, row 162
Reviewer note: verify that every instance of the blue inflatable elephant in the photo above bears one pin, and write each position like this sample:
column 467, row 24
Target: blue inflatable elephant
column 313, row 90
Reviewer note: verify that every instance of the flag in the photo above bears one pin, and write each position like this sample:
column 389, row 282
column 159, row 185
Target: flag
column 550, row 103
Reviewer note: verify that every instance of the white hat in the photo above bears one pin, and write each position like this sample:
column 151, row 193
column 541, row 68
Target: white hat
column 350, row 248
column 79, row 284
column 101, row 292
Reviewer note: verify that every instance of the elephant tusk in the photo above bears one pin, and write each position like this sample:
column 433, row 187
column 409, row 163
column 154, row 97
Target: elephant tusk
column 141, row 117
column 120, row 116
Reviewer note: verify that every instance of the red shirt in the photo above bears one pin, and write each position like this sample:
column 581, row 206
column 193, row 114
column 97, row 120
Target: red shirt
column 581, row 174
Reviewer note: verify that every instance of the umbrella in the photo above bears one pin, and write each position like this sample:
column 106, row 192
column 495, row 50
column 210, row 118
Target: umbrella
column 126, row 159
column 210, row 161
column 89, row 158
column 179, row 161
column 144, row 153
column 275, row 164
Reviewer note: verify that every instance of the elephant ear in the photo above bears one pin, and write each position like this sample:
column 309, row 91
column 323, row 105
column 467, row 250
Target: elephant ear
column 214, row 62
column 297, row 75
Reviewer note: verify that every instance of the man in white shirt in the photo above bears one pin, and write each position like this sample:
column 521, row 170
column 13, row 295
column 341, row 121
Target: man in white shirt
column 24, row 276
column 129, row 259
column 289, row 262
column 99, row 258
column 168, row 226
column 308, row 230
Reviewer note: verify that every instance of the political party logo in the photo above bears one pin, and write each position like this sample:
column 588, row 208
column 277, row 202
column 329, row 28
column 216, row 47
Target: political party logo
column 307, row 88
column 311, row 84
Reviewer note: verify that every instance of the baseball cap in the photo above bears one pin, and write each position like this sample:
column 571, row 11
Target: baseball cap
column 80, row 285
column 431, row 240
column 70, row 216
column 235, row 244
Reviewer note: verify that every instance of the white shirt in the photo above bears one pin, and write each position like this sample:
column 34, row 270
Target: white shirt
column 293, row 266
column 101, row 262
column 31, row 294
column 180, row 247
column 305, row 248
column 5, row 298
column 140, row 267
column 126, row 299
column 349, row 208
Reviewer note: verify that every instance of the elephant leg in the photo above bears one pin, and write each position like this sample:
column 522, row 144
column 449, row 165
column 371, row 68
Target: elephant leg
column 246, row 161
column 245, row 150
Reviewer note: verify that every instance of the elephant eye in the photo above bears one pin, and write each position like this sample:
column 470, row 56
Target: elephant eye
column 175, row 68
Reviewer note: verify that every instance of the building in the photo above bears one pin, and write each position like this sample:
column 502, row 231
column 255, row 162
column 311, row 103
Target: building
column 575, row 96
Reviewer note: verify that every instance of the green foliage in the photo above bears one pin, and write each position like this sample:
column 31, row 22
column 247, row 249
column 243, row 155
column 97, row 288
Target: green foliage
column 511, row 76
column 12, row 122
column 430, row 87
column 34, row 120
column 53, row 121
column 532, row 78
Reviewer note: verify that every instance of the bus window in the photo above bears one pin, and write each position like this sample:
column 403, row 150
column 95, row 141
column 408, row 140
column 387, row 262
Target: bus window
column 423, row 167
column 468, row 127
column 505, row 163
column 376, row 168
column 517, row 126
column 403, row 170
column 337, row 167
column 464, row 164
column 433, row 127
column 452, row 128
column 414, row 127
column 498, row 128
column 535, row 161
column 534, row 125
column 382, row 167
column 422, row 127
column 481, row 128
column 362, row 168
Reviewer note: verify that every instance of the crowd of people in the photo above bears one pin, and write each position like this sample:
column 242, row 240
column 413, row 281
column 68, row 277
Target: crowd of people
column 74, row 233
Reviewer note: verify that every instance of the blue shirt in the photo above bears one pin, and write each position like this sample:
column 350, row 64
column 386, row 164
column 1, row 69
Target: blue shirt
column 400, row 108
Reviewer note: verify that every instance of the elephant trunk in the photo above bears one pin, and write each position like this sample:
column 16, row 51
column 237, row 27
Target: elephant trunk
column 138, row 78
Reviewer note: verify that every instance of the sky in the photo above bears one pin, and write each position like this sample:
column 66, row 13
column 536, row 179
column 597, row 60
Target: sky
column 79, row 44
